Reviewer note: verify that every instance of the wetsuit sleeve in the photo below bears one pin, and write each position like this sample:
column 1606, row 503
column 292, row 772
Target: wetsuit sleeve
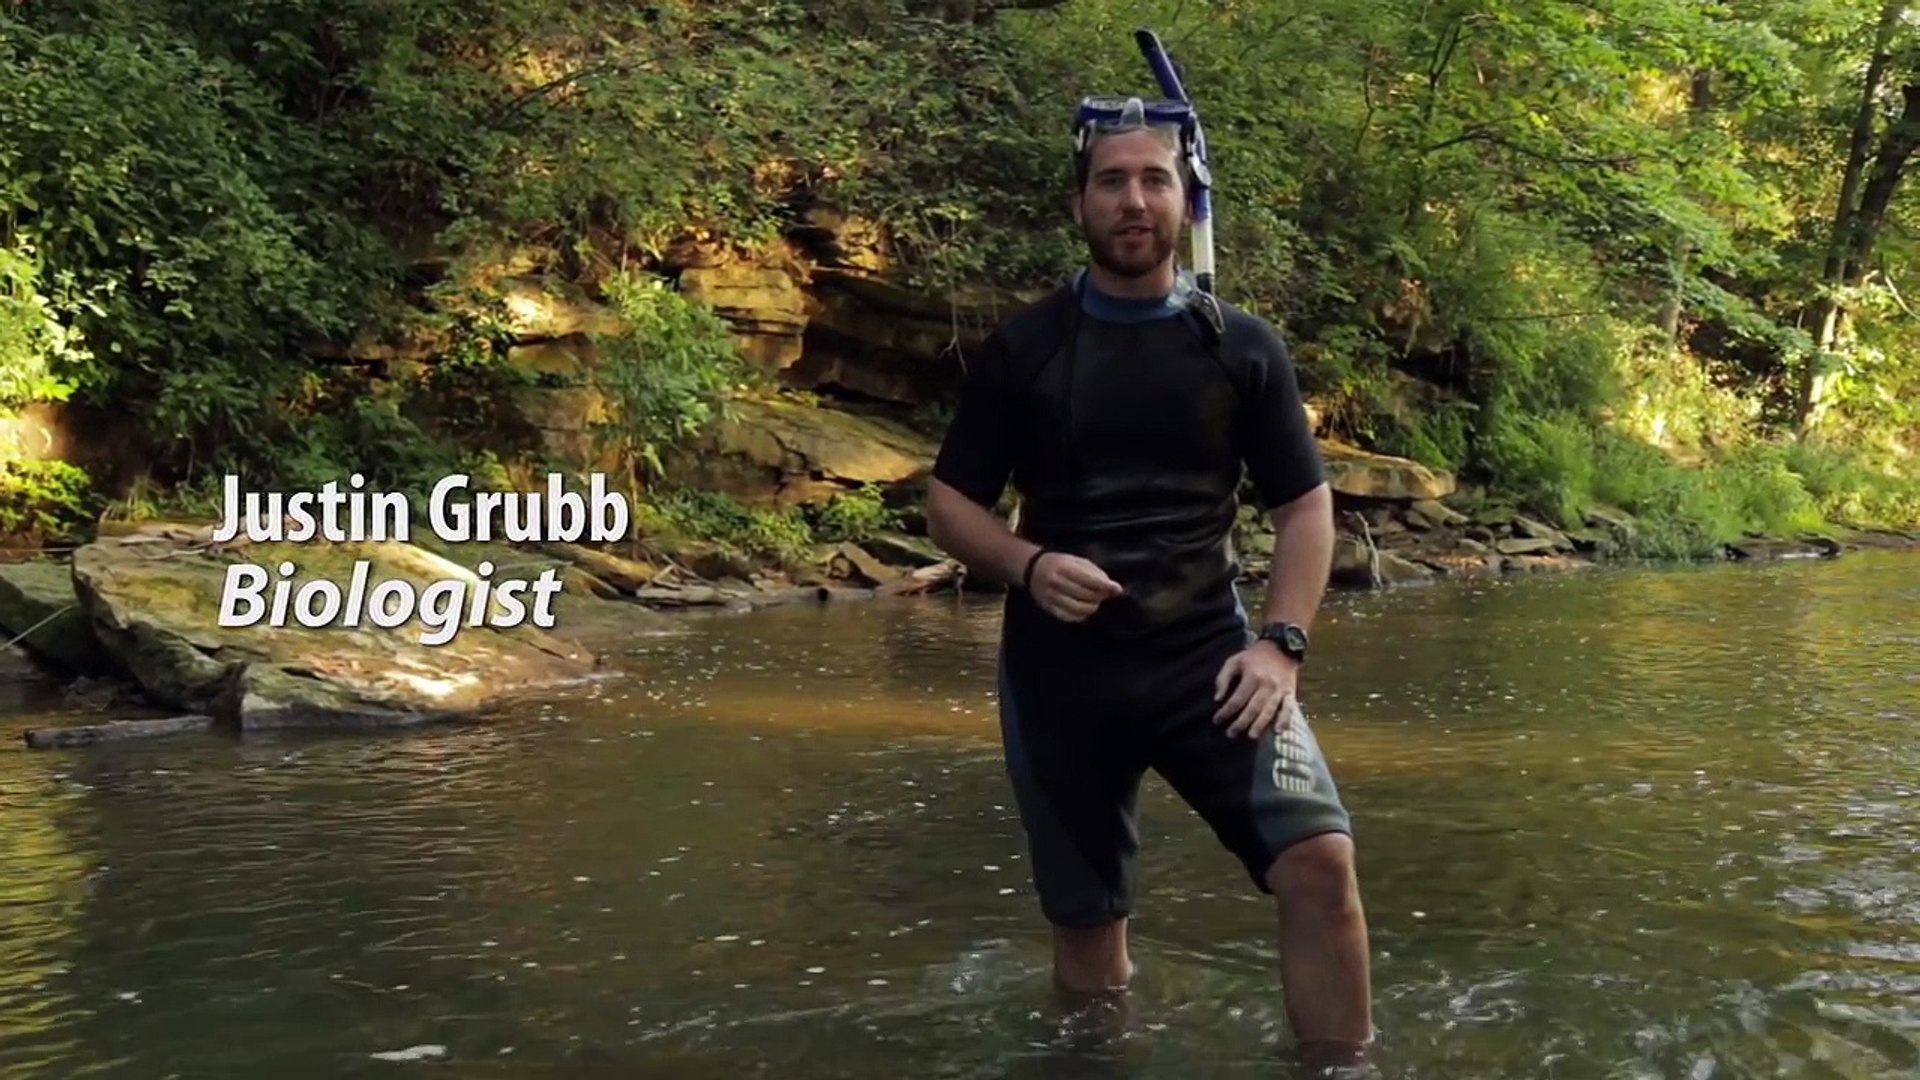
column 1282, row 458
column 976, row 456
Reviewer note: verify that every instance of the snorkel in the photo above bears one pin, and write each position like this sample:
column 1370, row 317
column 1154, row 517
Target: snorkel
column 1174, row 110
column 1196, row 150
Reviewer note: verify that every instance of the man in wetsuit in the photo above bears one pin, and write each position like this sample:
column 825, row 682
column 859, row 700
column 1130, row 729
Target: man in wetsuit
column 1124, row 409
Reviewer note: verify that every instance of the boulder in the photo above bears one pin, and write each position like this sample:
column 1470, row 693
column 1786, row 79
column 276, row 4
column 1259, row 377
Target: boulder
column 1363, row 475
column 854, row 561
column 1530, row 529
column 38, row 606
column 1526, row 546
column 1618, row 522
column 566, row 361
column 1592, row 541
column 1355, row 564
column 787, row 453
column 155, row 600
column 903, row 550
column 1433, row 514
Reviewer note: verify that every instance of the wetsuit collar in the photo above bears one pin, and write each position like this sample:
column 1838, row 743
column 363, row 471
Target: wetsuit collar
column 1124, row 309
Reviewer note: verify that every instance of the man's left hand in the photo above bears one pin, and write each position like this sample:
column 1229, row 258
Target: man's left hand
column 1262, row 678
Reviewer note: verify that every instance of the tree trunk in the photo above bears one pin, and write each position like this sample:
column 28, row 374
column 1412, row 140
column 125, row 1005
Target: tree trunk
column 1679, row 253
column 1897, row 148
column 1828, row 315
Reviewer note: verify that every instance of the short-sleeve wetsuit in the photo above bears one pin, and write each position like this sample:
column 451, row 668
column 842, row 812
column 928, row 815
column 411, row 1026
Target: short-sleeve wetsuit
column 1137, row 469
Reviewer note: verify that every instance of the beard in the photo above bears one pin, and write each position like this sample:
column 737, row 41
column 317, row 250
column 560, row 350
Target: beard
column 1105, row 250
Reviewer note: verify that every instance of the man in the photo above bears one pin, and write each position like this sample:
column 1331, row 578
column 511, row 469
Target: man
column 1125, row 408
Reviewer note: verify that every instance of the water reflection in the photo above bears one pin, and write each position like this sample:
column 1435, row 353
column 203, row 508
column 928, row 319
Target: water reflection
column 1646, row 823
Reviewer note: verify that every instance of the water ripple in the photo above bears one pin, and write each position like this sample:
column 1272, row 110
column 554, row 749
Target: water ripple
column 1621, row 824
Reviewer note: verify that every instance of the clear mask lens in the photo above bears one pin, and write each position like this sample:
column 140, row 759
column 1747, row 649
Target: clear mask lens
column 1110, row 115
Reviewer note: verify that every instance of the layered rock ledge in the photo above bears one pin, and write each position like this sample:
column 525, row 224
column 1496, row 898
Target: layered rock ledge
column 149, row 611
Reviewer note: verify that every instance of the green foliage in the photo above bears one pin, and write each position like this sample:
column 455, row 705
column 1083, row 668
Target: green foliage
column 1561, row 466
column 34, row 342
column 853, row 515
column 49, row 501
column 1852, row 488
column 666, row 374
column 676, row 516
column 1593, row 231
column 679, row 516
column 172, row 203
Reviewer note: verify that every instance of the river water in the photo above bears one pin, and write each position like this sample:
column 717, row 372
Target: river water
column 1623, row 823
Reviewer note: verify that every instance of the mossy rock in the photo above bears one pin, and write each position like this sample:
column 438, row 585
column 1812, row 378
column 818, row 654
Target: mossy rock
column 155, row 605
column 39, row 607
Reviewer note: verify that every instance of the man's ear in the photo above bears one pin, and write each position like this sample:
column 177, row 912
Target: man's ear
column 1074, row 201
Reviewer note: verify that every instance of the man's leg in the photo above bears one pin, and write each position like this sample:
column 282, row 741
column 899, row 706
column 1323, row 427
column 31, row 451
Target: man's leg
column 1324, row 966
column 1077, row 793
column 1272, row 802
column 1090, row 961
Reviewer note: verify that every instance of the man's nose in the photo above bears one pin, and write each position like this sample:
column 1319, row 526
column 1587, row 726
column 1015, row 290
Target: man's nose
column 1134, row 195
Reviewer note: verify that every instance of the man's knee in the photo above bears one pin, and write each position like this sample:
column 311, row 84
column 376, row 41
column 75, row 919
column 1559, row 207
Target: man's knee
column 1317, row 873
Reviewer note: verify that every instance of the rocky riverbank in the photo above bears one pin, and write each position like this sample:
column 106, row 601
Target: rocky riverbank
column 1398, row 523
column 131, row 621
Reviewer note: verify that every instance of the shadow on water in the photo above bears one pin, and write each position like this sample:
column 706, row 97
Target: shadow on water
column 1655, row 823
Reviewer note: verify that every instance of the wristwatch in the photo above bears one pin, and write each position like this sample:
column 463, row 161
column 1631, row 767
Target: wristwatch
column 1290, row 637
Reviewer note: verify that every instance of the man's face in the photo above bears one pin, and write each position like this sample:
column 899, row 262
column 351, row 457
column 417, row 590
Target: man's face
column 1132, row 207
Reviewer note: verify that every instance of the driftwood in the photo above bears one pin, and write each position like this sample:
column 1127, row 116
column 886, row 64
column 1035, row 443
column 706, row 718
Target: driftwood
column 687, row 596
column 709, row 596
column 113, row 731
column 926, row 579
column 1815, row 547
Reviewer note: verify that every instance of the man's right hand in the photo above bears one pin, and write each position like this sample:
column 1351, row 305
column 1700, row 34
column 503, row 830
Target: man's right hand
column 1070, row 588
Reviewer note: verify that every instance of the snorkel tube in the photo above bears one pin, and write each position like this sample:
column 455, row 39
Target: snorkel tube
column 1202, row 195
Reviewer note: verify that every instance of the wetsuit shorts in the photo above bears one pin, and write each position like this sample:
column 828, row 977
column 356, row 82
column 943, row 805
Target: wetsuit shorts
column 1078, row 740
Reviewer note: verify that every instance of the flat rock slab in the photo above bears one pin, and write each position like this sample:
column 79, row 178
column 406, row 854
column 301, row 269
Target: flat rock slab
column 1358, row 473
column 155, row 601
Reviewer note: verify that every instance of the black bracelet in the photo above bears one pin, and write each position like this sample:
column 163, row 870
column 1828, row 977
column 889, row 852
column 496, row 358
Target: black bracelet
column 1026, row 579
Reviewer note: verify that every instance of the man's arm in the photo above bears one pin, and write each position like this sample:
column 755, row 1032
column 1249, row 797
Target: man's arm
column 975, row 535
column 1284, row 463
column 972, row 470
column 1302, row 557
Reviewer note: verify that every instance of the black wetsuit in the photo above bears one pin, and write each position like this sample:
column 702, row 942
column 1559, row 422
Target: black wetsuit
column 1137, row 469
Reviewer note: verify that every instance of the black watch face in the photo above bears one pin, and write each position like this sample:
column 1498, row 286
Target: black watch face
column 1294, row 638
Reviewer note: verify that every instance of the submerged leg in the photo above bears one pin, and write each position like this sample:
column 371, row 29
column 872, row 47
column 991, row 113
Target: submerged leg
column 1325, row 972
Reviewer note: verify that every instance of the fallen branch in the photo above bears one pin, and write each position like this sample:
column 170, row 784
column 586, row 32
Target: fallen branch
column 112, row 731
column 686, row 596
column 1373, row 550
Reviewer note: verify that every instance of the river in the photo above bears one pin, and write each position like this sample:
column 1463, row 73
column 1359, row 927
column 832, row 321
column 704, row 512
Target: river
column 1621, row 823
